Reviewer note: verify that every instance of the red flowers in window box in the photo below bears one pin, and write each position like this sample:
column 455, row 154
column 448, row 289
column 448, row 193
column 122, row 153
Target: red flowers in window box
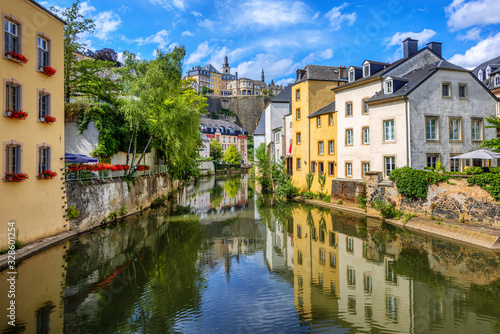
column 17, row 114
column 16, row 56
column 49, row 71
column 46, row 175
column 49, row 119
column 96, row 167
column 143, row 167
column 15, row 177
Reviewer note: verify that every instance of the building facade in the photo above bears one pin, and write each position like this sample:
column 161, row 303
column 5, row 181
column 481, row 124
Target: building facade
column 32, row 126
column 227, row 133
column 489, row 74
column 208, row 76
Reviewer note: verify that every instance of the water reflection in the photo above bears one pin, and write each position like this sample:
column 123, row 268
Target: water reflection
column 218, row 260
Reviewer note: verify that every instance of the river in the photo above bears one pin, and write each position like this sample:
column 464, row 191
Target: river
column 221, row 259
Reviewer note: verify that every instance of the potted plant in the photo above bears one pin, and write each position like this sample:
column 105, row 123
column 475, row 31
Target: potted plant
column 20, row 114
column 46, row 175
column 49, row 71
column 16, row 56
column 15, row 177
column 48, row 119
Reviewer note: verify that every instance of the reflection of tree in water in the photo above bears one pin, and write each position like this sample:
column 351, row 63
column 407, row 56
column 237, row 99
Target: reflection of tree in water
column 274, row 210
column 232, row 187
column 216, row 195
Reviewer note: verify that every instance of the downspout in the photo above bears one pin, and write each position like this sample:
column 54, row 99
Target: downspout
column 309, row 147
column 407, row 131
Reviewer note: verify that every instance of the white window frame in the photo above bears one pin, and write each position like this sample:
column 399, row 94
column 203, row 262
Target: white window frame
column 348, row 109
column 366, row 135
column 330, row 118
column 389, row 130
column 476, row 129
column 389, row 161
column 318, row 124
column 349, row 137
column 365, row 167
column 12, row 158
column 366, row 70
column 348, row 169
column 455, row 127
column 331, row 147
column 351, row 75
column 43, row 104
column 497, row 80
column 428, row 130
column 44, row 161
column 388, row 87
column 321, row 148
column 11, row 33
column 43, row 52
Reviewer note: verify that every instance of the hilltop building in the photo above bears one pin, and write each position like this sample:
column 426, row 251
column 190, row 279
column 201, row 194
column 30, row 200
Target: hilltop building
column 227, row 133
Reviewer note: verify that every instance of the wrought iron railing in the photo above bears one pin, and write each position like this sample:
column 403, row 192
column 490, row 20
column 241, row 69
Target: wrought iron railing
column 82, row 175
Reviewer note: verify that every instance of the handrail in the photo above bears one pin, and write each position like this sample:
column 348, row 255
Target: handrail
column 106, row 174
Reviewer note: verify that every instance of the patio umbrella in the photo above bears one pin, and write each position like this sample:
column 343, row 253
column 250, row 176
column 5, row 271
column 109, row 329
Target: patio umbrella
column 479, row 154
column 78, row 158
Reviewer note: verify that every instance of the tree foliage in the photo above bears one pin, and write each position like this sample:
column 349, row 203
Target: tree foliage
column 232, row 155
column 264, row 176
column 216, row 150
column 284, row 186
column 494, row 143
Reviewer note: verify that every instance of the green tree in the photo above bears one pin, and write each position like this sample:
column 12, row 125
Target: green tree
column 309, row 181
column 250, row 150
column 232, row 155
column 76, row 25
column 216, row 150
column 264, row 176
column 205, row 90
column 284, row 186
column 322, row 182
column 95, row 78
column 494, row 143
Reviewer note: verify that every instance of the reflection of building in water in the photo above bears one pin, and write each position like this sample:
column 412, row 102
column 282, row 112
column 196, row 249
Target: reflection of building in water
column 316, row 264
column 279, row 246
column 38, row 304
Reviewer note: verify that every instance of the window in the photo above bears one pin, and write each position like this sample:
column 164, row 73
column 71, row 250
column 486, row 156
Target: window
column 366, row 136
column 12, row 97
column 298, row 164
column 331, row 147
column 331, row 169
column 333, row 260
column 297, row 94
column 313, row 167
column 349, row 244
column 480, row 75
column 389, row 165
column 299, row 257
column 367, row 283
column 298, row 114
column 477, row 129
column 299, row 231
column 330, row 117
column 277, row 138
column 366, row 70
column 497, row 81
column 321, row 169
column 351, row 276
column 348, row 137
column 320, row 148
column 43, row 105
column 388, row 87
column 365, row 167
column 432, row 160
column 389, row 130
column 13, row 159
column 351, row 75
column 391, row 308
column 322, row 256
column 431, row 128
column 43, row 52
column 462, row 91
column 365, row 107
column 11, row 40
column 351, row 304
column 446, row 90
column 319, row 122
column 454, row 164
column 332, row 239
column 43, row 159
column 348, row 109
column 455, row 126
column 348, row 169
column 298, row 138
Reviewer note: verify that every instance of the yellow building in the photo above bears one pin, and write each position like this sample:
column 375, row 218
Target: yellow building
column 314, row 142
column 208, row 76
column 33, row 141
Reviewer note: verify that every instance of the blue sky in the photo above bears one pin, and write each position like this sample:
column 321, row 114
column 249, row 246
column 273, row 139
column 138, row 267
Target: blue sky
column 282, row 36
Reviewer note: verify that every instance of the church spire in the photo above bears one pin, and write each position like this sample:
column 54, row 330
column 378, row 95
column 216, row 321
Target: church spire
column 262, row 77
column 225, row 67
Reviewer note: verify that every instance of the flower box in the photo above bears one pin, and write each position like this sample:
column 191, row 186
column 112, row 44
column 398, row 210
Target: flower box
column 48, row 119
column 16, row 57
column 17, row 114
column 46, row 175
column 15, row 177
column 49, row 71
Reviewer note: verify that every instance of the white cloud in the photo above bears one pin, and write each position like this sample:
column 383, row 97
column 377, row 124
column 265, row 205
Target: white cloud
column 326, row 54
column 336, row 18
column 483, row 51
column 106, row 23
column 206, row 23
column 316, row 15
column 201, row 52
column 322, row 55
column 160, row 38
column 273, row 67
column 462, row 14
column 86, row 8
column 170, row 4
column 473, row 34
column 285, row 82
column 263, row 13
column 196, row 14
column 423, row 37
column 187, row 33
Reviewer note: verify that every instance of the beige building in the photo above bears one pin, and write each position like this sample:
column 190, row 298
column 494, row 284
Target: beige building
column 32, row 140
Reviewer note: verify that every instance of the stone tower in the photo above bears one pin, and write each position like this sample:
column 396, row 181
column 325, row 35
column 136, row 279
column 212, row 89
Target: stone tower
column 262, row 76
column 225, row 67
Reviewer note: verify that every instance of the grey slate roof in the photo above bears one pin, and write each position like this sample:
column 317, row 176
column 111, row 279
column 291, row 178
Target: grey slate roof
column 215, row 123
column 416, row 78
column 320, row 72
column 328, row 109
column 261, row 127
column 483, row 66
column 285, row 96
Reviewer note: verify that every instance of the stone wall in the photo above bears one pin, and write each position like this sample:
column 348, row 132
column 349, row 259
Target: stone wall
column 247, row 108
column 97, row 199
column 347, row 190
column 454, row 201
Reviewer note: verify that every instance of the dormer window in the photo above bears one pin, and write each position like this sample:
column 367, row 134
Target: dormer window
column 497, row 81
column 388, row 87
column 488, row 72
column 366, row 70
column 351, row 75
column 480, row 75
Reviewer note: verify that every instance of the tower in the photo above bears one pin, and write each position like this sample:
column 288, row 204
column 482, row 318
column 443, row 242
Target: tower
column 225, row 67
column 262, row 76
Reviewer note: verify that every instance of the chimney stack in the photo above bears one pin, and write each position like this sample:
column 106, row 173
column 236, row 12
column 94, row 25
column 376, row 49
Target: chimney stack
column 236, row 75
column 410, row 46
column 436, row 47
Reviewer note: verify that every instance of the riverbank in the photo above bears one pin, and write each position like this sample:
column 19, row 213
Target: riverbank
column 483, row 237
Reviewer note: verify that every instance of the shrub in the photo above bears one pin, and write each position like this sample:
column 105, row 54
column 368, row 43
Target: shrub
column 407, row 217
column 326, row 199
column 413, row 183
column 73, row 212
column 340, row 201
column 308, row 194
column 387, row 209
column 362, row 202
column 489, row 182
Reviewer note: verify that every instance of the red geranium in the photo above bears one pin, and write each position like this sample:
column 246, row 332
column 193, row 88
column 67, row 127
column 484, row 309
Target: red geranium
column 49, row 71
column 17, row 56
column 46, row 175
column 49, row 119
column 15, row 177
column 17, row 114
column 143, row 167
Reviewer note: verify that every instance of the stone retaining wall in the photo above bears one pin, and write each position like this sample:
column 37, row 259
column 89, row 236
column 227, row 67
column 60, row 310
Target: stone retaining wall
column 347, row 190
column 455, row 201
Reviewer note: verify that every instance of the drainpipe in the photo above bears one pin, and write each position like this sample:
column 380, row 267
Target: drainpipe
column 407, row 135
column 309, row 146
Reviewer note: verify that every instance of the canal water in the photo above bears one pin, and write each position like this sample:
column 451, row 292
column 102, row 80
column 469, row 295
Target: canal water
column 224, row 260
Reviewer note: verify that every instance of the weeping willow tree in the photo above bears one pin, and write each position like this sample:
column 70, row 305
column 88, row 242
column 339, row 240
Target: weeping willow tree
column 161, row 105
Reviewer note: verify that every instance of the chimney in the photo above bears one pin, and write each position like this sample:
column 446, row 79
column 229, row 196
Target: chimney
column 436, row 47
column 236, row 75
column 410, row 46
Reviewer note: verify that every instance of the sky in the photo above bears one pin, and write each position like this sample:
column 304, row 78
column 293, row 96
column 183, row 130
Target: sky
column 281, row 36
